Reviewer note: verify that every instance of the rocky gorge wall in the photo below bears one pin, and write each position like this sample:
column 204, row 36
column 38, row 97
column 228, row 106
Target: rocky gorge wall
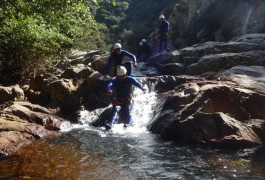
column 214, row 20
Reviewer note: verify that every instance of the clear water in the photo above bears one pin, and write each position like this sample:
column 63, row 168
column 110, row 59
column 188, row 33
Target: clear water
column 85, row 152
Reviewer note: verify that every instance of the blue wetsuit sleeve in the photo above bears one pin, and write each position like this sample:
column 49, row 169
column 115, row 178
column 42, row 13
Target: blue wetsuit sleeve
column 135, row 82
column 112, row 83
column 129, row 55
column 167, row 26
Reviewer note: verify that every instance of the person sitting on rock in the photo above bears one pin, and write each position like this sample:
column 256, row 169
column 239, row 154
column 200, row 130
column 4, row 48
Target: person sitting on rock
column 145, row 50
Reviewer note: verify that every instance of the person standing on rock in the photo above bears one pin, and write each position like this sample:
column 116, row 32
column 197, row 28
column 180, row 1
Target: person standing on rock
column 116, row 59
column 162, row 34
column 122, row 87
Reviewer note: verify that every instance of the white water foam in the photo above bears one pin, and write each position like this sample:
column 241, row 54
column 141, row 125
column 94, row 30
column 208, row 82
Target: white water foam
column 142, row 113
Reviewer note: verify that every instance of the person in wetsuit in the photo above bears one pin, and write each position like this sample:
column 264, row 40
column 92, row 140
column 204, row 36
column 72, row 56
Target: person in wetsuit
column 162, row 33
column 144, row 50
column 122, row 85
column 116, row 59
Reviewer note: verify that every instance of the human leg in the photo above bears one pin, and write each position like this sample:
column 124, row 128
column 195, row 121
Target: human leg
column 113, row 118
column 165, row 44
column 126, row 113
column 145, row 57
column 160, row 45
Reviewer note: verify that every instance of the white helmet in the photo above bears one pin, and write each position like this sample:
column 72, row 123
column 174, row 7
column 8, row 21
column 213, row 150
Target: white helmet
column 161, row 16
column 140, row 44
column 143, row 40
column 121, row 70
column 117, row 45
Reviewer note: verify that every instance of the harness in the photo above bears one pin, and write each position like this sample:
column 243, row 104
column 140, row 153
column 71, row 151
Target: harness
column 120, row 101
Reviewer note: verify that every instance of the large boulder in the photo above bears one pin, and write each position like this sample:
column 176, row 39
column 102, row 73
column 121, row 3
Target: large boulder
column 64, row 93
column 251, row 77
column 79, row 71
column 213, row 113
column 22, row 122
column 219, row 62
column 211, row 56
column 33, row 113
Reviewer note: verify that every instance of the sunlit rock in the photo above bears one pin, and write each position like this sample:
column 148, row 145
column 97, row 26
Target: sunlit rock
column 166, row 83
column 251, row 77
column 215, row 113
column 11, row 93
column 80, row 71
column 225, row 61
column 172, row 69
column 22, row 122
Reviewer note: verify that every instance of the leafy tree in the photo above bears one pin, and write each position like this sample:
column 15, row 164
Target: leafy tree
column 112, row 15
column 34, row 31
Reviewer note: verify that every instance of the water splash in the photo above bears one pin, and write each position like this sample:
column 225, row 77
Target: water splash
column 141, row 115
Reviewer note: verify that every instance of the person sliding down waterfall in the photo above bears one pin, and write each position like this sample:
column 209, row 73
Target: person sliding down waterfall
column 121, row 87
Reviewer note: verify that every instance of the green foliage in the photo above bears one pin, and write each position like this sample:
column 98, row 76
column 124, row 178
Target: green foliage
column 131, row 20
column 112, row 14
column 96, row 41
column 32, row 31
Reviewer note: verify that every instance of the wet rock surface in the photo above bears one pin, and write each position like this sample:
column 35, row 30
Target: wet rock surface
column 39, row 108
column 22, row 122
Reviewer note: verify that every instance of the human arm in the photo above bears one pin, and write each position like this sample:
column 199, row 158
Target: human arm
column 137, row 83
column 131, row 56
column 111, row 85
column 166, row 26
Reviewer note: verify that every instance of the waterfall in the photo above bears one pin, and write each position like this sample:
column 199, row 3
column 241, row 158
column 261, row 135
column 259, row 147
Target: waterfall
column 142, row 113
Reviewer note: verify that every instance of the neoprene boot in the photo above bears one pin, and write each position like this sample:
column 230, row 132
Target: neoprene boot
column 128, row 121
